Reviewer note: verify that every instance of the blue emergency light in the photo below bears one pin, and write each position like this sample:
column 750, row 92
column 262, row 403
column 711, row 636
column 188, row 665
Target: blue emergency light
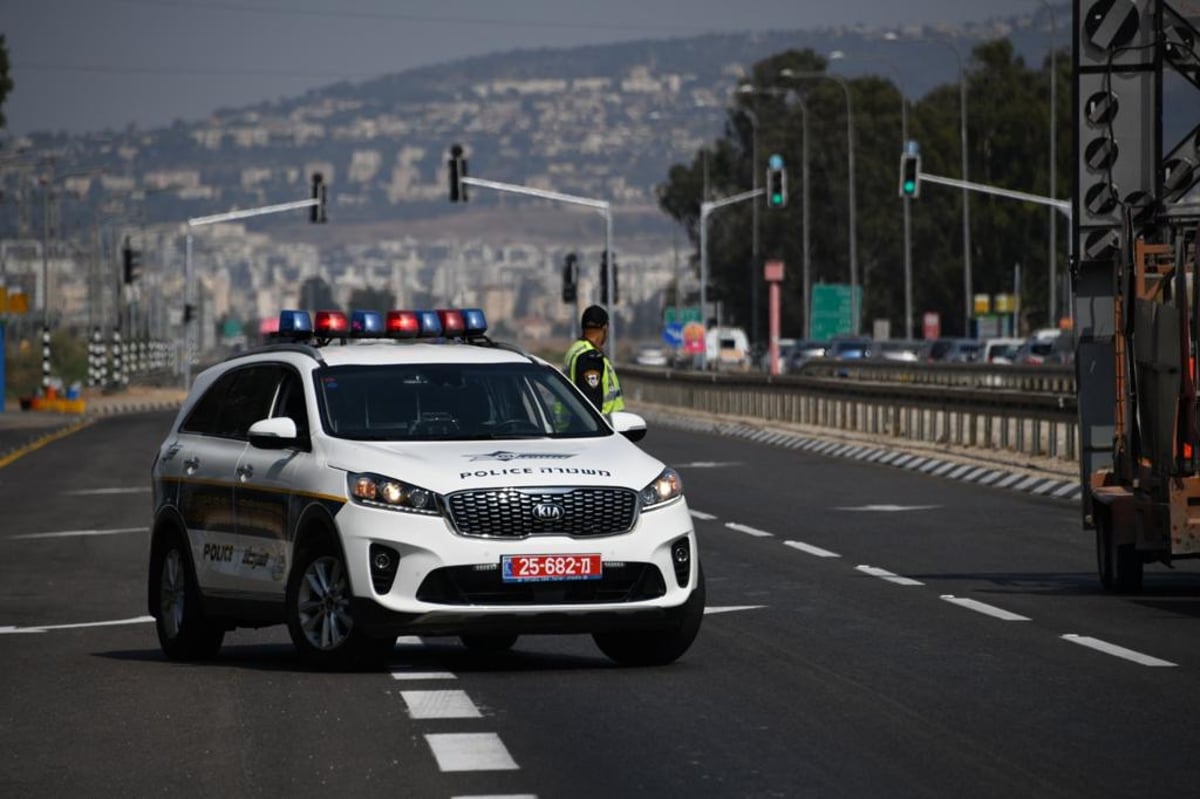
column 430, row 324
column 293, row 323
column 474, row 322
column 366, row 324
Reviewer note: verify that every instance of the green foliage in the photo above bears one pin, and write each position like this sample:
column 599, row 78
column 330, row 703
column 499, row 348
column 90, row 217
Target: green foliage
column 23, row 367
column 1008, row 130
column 372, row 299
column 6, row 83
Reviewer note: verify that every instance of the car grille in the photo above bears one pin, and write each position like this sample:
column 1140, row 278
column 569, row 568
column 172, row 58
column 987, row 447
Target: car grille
column 471, row 585
column 519, row 512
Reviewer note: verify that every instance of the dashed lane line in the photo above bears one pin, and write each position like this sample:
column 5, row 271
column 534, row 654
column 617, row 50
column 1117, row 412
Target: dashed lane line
column 96, row 492
column 47, row 627
column 984, row 608
column 884, row 574
column 440, row 705
column 78, row 533
column 811, row 550
column 701, row 515
column 708, row 611
column 1117, row 651
column 423, row 675
column 470, row 751
column 754, row 531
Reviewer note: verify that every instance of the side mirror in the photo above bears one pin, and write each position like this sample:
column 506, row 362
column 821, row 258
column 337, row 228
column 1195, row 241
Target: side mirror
column 629, row 425
column 277, row 433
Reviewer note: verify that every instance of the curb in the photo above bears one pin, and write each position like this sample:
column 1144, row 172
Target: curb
column 990, row 474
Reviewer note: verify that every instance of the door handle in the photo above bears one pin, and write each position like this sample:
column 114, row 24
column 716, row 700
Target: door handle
column 245, row 471
column 191, row 464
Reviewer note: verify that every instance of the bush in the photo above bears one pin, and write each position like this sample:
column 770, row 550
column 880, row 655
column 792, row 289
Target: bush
column 23, row 361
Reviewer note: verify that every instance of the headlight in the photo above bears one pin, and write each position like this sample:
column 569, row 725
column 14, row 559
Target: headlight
column 666, row 487
column 378, row 491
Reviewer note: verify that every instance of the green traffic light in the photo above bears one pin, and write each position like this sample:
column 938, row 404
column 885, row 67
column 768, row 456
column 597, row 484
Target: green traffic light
column 910, row 186
column 776, row 199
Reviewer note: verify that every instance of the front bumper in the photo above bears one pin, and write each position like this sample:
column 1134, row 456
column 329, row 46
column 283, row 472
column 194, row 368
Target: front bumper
column 433, row 591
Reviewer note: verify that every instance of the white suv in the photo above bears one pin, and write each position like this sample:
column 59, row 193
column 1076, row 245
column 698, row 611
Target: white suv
column 357, row 487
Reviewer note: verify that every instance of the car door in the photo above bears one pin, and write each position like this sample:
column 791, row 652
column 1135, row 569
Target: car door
column 198, row 465
column 269, row 493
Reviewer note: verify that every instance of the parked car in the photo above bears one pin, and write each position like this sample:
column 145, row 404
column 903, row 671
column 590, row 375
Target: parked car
column 898, row 350
column 650, row 355
column 805, row 351
column 953, row 350
column 1000, row 350
column 1041, row 347
column 849, row 348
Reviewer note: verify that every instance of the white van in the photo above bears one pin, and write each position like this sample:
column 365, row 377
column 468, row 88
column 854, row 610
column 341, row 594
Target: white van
column 728, row 347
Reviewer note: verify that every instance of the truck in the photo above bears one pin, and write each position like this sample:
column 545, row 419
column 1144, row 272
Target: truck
column 1136, row 284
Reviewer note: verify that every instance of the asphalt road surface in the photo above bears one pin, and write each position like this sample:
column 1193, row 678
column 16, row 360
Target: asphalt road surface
column 871, row 632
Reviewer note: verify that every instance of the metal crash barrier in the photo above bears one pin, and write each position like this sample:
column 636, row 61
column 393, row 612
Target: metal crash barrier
column 1024, row 409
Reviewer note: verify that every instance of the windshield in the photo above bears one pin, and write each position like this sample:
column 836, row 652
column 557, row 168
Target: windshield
column 425, row 402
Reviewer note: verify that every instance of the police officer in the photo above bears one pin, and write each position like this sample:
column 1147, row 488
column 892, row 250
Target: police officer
column 586, row 366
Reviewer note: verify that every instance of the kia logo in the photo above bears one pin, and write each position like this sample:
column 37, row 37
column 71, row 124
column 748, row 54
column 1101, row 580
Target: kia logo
column 547, row 512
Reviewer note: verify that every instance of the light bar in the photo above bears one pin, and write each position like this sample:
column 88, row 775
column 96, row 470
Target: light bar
column 328, row 322
column 431, row 325
column 452, row 321
column 403, row 324
column 292, row 322
column 474, row 322
column 366, row 324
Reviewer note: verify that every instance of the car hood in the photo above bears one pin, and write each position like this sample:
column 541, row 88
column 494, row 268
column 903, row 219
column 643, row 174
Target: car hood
column 446, row 466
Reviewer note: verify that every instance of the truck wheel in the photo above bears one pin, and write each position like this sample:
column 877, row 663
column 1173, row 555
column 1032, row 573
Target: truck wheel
column 183, row 632
column 657, row 647
column 319, row 616
column 1119, row 565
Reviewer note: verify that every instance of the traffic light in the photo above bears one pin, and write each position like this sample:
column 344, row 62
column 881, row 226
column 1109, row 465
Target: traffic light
column 458, row 171
column 616, row 295
column 316, row 213
column 910, row 175
column 133, row 262
column 570, row 278
column 776, row 182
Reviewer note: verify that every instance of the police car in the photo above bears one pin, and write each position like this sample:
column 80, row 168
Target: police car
column 376, row 475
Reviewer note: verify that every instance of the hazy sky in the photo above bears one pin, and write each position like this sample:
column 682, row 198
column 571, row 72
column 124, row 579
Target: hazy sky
column 82, row 65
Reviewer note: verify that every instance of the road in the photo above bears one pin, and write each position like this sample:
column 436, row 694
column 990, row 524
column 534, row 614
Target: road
column 837, row 657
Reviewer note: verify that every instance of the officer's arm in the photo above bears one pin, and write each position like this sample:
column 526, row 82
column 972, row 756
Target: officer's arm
column 589, row 376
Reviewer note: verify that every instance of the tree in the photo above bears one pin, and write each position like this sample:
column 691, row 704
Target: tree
column 6, row 84
column 372, row 299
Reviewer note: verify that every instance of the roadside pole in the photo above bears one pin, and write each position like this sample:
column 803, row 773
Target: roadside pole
column 706, row 209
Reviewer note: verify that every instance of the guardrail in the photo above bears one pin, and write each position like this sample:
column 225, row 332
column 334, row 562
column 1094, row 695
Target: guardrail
column 1030, row 410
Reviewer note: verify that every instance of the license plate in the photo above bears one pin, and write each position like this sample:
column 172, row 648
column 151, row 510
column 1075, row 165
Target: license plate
column 546, row 568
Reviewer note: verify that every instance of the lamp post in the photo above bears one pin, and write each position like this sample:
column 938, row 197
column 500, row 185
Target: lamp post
column 792, row 74
column 1053, row 254
column 754, row 277
column 837, row 55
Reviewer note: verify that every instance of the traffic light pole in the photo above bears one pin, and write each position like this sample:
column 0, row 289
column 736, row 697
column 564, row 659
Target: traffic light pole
column 189, row 344
column 706, row 209
column 603, row 206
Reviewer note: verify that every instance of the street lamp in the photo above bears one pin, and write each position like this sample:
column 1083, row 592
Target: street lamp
column 792, row 74
column 837, row 55
column 753, row 117
column 746, row 88
column 1053, row 260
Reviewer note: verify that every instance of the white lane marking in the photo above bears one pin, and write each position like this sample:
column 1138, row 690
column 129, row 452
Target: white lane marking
column 440, row 705
column 810, row 549
column 984, row 608
column 76, row 533
column 498, row 796
column 887, row 508
column 423, row 675
column 90, row 492
column 741, row 528
column 80, row 626
column 708, row 464
column 409, row 640
column 884, row 574
column 1116, row 651
column 470, row 751
column 701, row 515
column 730, row 609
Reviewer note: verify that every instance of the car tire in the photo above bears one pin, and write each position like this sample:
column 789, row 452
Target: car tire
column 1119, row 565
column 183, row 631
column 657, row 647
column 488, row 644
column 320, row 618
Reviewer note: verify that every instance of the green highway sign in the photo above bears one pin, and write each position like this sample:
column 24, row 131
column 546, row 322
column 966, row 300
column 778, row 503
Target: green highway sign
column 682, row 314
column 832, row 311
